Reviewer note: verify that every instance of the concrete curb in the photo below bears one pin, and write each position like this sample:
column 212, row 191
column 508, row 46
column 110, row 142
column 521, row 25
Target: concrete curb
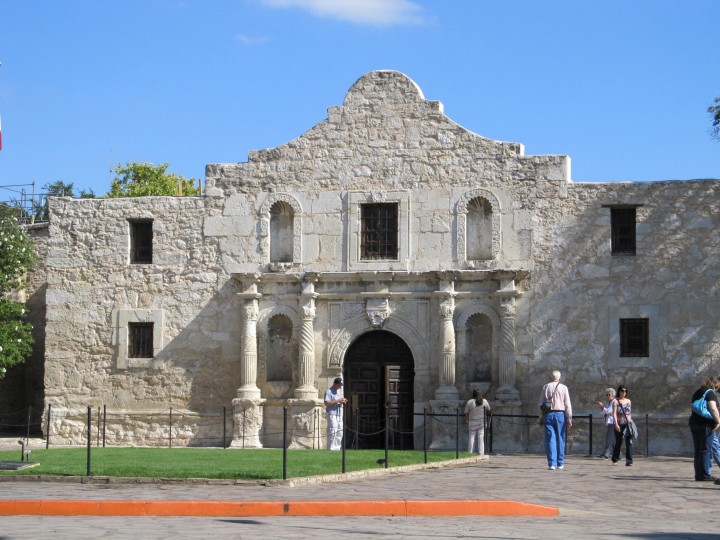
column 404, row 508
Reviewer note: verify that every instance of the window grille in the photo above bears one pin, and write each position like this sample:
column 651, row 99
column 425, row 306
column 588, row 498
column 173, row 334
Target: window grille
column 634, row 337
column 623, row 230
column 141, row 242
column 140, row 340
column 379, row 231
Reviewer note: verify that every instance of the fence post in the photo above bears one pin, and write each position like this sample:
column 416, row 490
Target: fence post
column 647, row 435
column 425, row 432
column 170, row 427
column 344, row 437
column 387, row 433
column 47, row 429
column 457, row 433
column 104, row 423
column 27, row 437
column 224, row 425
column 590, row 437
column 490, row 434
column 97, row 443
column 89, row 437
column 284, row 443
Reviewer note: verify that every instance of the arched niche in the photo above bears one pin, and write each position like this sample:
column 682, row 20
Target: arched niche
column 281, row 221
column 478, row 231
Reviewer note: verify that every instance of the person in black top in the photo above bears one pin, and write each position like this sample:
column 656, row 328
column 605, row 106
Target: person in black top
column 702, row 429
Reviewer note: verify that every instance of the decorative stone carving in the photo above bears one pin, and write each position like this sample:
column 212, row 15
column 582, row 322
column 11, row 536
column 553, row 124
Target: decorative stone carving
column 507, row 349
column 248, row 361
column 306, row 389
column 378, row 310
column 446, row 374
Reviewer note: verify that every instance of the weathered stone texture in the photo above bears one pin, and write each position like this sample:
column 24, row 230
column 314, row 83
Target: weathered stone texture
column 552, row 291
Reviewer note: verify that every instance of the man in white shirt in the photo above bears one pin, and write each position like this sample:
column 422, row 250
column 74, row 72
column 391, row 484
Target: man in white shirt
column 556, row 420
column 334, row 400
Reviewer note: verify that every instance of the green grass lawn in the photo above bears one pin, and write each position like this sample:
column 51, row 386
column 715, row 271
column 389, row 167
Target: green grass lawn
column 211, row 462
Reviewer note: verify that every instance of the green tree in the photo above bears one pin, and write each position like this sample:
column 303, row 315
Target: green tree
column 146, row 179
column 16, row 258
column 714, row 110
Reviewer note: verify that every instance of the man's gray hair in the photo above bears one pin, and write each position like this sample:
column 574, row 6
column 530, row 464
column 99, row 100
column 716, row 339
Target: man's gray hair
column 556, row 375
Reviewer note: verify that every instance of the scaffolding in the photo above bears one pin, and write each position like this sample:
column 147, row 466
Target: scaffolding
column 31, row 207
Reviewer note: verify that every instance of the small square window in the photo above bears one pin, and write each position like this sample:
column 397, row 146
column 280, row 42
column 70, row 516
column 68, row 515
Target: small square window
column 635, row 337
column 623, row 230
column 140, row 340
column 141, row 242
column 379, row 231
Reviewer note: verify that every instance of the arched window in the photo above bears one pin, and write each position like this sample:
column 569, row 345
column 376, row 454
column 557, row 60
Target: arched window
column 479, row 230
column 281, row 232
column 281, row 352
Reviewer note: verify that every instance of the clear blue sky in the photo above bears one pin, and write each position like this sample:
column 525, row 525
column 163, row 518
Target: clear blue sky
column 620, row 86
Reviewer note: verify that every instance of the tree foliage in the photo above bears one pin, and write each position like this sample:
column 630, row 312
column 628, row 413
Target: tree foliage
column 714, row 110
column 16, row 257
column 146, row 179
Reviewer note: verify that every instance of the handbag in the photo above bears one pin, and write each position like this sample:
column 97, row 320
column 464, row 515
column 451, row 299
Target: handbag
column 700, row 406
column 546, row 406
column 632, row 428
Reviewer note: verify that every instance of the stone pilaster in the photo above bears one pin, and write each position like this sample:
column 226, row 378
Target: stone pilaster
column 306, row 389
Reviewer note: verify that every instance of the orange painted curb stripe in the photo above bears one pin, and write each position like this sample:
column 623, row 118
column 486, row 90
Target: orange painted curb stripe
column 274, row 508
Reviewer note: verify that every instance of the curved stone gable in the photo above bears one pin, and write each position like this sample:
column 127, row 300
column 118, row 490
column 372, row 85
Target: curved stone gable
column 385, row 135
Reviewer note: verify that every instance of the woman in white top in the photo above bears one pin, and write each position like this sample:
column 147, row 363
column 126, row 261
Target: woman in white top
column 475, row 418
column 607, row 410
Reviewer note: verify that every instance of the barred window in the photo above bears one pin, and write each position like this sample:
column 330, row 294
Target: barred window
column 634, row 337
column 623, row 230
column 379, row 231
column 140, row 340
column 141, row 242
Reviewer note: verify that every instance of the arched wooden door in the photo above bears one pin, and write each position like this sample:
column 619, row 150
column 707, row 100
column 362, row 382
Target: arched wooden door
column 379, row 372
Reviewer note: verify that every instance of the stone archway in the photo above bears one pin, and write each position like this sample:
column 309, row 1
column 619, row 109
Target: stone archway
column 379, row 371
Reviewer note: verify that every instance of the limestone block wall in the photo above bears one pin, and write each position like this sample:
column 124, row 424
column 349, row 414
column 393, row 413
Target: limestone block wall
column 92, row 285
column 579, row 291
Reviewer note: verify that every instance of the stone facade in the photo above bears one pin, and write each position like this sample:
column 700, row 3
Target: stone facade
column 262, row 291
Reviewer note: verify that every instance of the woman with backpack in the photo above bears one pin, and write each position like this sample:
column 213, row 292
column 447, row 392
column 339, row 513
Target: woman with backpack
column 702, row 429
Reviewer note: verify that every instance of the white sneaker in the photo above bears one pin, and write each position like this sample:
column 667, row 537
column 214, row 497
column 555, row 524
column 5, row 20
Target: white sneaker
column 561, row 467
column 551, row 468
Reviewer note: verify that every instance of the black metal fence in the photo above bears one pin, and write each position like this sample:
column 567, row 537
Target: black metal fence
column 215, row 428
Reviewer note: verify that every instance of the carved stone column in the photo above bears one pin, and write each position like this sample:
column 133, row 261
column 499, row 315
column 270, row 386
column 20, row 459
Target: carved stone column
column 247, row 407
column 248, row 360
column 306, row 389
column 506, row 371
column 446, row 388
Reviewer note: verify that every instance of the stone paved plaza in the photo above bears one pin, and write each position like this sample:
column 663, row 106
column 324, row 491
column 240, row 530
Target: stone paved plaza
column 656, row 499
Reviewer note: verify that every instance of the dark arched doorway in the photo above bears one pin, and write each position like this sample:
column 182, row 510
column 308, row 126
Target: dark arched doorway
column 379, row 371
